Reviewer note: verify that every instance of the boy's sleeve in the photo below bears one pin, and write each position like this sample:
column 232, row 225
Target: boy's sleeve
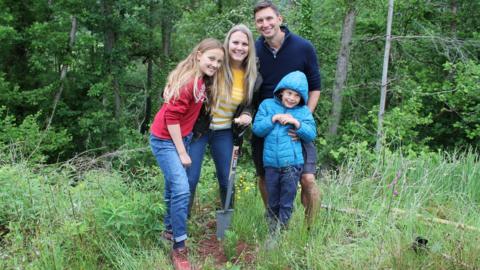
column 308, row 130
column 263, row 121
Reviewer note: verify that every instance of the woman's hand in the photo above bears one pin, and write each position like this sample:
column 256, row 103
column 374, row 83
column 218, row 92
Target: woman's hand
column 185, row 159
column 243, row 120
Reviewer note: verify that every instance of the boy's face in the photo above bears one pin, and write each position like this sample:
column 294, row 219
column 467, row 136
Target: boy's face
column 290, row 98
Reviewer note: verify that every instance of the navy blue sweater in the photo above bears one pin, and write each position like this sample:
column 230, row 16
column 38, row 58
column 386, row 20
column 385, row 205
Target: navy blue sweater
column 295, row 53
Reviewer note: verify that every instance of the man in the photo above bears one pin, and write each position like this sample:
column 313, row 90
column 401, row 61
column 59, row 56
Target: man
column 280, row 52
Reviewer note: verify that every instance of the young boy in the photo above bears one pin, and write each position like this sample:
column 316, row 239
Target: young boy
column 282, row 155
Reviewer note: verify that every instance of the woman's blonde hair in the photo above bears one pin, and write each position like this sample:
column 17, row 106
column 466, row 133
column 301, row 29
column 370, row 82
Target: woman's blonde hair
column 249, row 63
column 188, row 70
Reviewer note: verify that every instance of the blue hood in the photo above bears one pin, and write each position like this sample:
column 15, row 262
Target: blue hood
column 296, row 81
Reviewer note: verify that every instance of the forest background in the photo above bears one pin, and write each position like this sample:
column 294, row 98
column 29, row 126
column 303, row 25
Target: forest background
column 81, row 80
column 81, row 76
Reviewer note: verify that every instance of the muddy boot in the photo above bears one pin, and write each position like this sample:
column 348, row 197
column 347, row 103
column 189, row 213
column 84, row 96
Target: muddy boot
column 180, row 259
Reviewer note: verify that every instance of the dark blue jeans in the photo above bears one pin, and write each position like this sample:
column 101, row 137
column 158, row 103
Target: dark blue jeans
column 282, row 188
column 221, row 146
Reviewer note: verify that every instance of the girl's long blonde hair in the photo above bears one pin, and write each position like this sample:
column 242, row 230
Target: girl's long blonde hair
column 249, row 64
column 188, row 70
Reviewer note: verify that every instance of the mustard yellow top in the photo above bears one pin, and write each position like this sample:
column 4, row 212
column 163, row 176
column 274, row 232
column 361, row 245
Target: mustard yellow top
column 222, row 116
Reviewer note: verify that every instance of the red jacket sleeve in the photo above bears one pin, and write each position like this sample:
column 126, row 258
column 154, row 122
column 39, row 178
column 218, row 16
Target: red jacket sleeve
column 177, row 108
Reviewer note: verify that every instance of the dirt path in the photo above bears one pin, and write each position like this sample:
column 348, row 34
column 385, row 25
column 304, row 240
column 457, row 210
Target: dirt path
column 209, row 247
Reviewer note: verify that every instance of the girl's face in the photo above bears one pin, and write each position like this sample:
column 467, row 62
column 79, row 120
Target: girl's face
column 238, row 47
column 290, row 98
column 210, row 61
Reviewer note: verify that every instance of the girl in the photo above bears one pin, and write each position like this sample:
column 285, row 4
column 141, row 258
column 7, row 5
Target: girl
column 194, row 82
column 234, row 108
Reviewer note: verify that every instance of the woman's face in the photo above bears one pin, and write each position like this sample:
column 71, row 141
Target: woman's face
column 238, row 47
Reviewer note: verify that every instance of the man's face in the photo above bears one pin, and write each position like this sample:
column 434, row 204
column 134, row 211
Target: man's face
column 268, row 23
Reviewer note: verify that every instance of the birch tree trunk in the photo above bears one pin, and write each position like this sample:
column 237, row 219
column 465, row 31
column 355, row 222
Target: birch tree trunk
column 383, row 90
column 342, row 70
column 64, row 69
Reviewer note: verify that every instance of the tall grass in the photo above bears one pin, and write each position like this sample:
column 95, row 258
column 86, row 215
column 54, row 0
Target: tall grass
column 59, row 218
column 434, row 186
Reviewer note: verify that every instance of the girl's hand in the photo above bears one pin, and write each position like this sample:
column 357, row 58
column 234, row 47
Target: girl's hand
column 185, row 159
column 243, row 120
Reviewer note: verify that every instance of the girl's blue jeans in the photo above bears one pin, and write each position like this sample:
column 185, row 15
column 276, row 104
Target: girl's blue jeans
column 177, row 191
column 281, row 188
column 221, row 146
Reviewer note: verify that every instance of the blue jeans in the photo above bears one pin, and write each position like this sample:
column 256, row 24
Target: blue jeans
column 282, row 188
column 177, row 192
column 221, row 146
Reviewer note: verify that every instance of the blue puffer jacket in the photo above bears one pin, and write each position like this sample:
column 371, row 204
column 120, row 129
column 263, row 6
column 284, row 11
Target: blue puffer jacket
column 279, row 148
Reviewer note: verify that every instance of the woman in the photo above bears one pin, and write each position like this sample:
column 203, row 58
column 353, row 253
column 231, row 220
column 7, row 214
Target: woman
column 234, row 108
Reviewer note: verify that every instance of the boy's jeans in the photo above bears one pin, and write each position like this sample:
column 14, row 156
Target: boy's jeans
column 177, row 191
column 281, row 188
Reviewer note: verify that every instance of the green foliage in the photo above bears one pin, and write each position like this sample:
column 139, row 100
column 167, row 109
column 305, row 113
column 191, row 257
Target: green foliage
column 461, row 97
column 103, row 222
column 431, row 102
column 26, row 141
column 99, row 222
column 132, row 218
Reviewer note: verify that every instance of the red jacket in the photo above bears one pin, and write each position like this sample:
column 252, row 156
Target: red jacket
column 183, row 111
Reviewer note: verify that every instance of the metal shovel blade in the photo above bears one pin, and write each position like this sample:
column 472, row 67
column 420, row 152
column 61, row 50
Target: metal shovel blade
column 224, row 217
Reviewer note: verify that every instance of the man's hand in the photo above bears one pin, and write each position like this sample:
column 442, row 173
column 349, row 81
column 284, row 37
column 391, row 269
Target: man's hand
column 292, row 133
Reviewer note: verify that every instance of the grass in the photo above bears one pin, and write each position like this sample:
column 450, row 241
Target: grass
column 60, row 218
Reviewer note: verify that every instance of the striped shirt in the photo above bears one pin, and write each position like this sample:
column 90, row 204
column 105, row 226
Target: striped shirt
column 222, row 116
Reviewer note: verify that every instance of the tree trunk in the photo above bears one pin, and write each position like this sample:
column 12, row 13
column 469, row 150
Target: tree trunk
column 453, row 24
column 110, row 37
column 64, row 69
column 118, row 99
column 342, row 70
column 166, row 36
column 144, row 125
column 168, row 19
column 383, row 90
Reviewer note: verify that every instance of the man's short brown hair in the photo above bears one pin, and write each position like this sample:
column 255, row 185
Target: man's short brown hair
column 263, row 5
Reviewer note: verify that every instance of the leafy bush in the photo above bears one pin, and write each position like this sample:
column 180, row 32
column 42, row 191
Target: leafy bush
column 27, row 141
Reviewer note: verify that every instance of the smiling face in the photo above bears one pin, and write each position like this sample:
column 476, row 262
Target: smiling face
column 238, row 48
column 290, row 98
column 268, row 22
column 210, row 61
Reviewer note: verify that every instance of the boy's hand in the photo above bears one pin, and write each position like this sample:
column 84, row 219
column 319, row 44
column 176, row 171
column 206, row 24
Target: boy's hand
column 185, row 159
column 285, row 119
column 280, row 118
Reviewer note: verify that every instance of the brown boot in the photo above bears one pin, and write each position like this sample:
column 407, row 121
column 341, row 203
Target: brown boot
column 180, row 259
